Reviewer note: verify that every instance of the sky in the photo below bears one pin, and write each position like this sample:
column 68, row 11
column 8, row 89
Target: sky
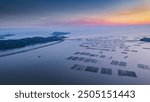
column 44, row 13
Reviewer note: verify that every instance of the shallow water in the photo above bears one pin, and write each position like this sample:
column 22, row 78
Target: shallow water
column 49, row 65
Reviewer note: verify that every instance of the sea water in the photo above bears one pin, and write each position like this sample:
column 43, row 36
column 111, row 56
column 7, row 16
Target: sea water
column 49, row 65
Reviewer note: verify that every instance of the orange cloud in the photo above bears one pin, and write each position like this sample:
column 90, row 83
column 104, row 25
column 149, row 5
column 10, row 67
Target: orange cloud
column 90, row 21
column 136, row 15
column 139, row 14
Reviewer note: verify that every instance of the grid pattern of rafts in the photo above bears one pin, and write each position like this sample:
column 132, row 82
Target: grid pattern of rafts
column 107, row 71
column 112, row 43
column 91, row 69
column 142, row 66
column 127, row 73
column 121, row 63
column 97, row 48
column 106, row 42
column 126, row 51
column 86, row 54
column 78, row 67
column 89, row 54
column 114, row 62
column 90, row 60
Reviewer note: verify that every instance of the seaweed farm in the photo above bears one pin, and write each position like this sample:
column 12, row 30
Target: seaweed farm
column 96, row 60
column 110, row 58
column 75, row 42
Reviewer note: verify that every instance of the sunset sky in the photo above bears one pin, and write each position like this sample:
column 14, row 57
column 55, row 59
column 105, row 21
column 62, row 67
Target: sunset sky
column 36, row 13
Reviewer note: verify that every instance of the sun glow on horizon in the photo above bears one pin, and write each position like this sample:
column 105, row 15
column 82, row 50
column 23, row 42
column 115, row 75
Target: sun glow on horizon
column 47, row 13
column 139, row 14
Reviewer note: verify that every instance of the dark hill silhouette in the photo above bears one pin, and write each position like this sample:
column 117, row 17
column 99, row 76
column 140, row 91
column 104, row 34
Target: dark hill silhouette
column 19, row 43
column 145, row 39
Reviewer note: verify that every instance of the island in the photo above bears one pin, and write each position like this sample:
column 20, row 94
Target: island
column 19, row 43
column 145, row 39
column 6, row 35
column 60, row 33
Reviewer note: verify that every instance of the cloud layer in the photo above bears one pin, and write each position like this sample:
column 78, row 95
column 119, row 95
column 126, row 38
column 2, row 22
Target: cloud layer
column 78, row 12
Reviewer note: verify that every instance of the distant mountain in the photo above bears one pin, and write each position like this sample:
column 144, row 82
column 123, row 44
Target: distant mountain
column 19, row 43
column 6, row 35
column 60, row 33
column 145, row 39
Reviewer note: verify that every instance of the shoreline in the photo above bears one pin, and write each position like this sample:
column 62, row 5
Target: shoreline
column 31, row 49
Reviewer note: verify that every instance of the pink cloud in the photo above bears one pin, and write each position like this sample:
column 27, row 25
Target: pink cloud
column 91, row 22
